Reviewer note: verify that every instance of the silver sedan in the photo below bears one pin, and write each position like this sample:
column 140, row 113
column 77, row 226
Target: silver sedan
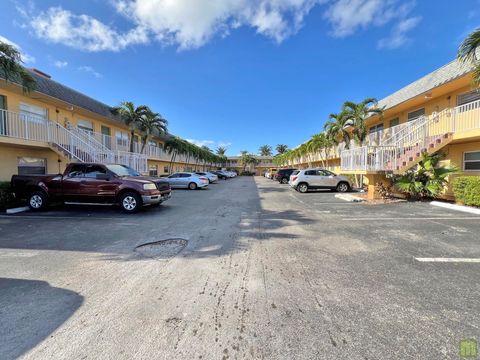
column 186, row 180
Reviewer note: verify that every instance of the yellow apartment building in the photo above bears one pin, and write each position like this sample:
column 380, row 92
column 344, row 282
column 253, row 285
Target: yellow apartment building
column 42, row 131
column 263, row 164
column 439, row 112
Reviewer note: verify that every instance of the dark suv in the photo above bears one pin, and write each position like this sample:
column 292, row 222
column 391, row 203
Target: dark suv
column 283, row 175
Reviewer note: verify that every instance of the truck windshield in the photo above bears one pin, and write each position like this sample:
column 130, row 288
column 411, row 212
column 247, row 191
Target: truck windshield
column 122, row 170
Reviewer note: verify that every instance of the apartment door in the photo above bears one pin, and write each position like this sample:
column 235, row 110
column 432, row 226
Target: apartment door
column 3, row 115
column 106, row 137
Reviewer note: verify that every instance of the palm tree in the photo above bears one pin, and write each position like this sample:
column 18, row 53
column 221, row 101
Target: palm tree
column 132, row 116
column 281, row 148
column 11, row 68
column 151, row 123
column 356, row 114
column 337, row 129
column 469, row 52
column 265, row 150
column 221, row 150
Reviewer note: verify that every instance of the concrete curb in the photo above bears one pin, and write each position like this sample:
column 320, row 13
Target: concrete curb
column 349, row 198
column 17, row 210
column 462, row 208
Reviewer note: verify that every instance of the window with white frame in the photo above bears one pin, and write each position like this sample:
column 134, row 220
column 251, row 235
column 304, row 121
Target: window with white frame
column 153, row 170
column 85, row 125
column 471, row 161
column 414, row 115
column 468, row 101
column 122, row 138
column 33, row 113
column 31, row 166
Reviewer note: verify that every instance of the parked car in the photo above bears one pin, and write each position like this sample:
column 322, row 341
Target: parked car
column 304, row 180
column 187, row 180
column 283, row 175
column 210, row 176
column 91, row 183
column 271, row 173
column 220, row 174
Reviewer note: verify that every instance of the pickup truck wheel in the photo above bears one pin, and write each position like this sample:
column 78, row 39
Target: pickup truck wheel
column 130, row 202
column 37, row 201
column 192, row 186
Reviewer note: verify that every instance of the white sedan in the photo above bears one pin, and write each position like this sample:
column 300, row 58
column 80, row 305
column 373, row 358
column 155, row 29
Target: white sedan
column 211, row 177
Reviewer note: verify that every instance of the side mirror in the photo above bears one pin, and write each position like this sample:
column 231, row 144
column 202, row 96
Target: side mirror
column 102, row 177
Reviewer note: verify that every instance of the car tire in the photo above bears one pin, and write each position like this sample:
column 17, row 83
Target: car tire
column 37, row 201
column 302, row 188
column 284, row 181
column 343, row 187
column 130, row 202
column 192, row 186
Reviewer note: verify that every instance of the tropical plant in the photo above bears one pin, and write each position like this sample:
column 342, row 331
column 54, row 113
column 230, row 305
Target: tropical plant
column 281, row 148
column 336, row 129
column 132, row 117
column 265, row 150
column 425, row 180
column 469, row 51
column 246, row 159
column 221, row 150
column 151, row 124
column 356, row 114
column 12, row 69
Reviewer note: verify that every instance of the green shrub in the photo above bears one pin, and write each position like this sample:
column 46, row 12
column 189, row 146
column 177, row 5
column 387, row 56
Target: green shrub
column 467, row 190
column 7, row 200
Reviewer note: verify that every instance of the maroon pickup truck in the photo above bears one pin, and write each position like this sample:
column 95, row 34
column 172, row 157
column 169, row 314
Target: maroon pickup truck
column 85, row 183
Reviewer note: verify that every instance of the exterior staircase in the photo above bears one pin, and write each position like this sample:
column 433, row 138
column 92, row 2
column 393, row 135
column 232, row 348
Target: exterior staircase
column 73, row 144
column 403, row 149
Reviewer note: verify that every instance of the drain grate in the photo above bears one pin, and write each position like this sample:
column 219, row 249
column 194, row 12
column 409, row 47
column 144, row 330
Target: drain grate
column 163, row 248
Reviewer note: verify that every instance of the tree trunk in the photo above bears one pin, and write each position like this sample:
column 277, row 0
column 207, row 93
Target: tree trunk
column 132, row 135
column 171, row 162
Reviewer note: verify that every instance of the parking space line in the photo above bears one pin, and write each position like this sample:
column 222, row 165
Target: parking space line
column 53, row 217
column 412, row 218
column 448, row 260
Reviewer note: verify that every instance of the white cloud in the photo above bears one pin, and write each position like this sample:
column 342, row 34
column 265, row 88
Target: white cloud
column 60, row 64
column 210, row 143
column 82, row 31
column 186, row 24
column 26, row 58
column 399, row 35
column 90, row 70
column 348, row 16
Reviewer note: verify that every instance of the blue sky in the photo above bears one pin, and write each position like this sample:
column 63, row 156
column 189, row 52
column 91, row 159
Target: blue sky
column 238, row 72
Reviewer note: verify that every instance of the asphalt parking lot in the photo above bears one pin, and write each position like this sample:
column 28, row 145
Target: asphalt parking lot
column 261, row 272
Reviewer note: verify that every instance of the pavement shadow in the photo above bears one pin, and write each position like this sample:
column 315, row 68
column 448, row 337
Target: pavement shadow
column 31, row 310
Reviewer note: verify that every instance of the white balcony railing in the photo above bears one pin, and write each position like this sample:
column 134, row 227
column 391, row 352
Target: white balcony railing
column 407, row 143
column 75, row 144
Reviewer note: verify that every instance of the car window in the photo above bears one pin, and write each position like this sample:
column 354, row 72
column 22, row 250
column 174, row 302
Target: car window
column 310, row 172
column 322, row 173
column 173, row 176
column 184, row 175
column 76, row 170
column 295, row 172
column 93, row 170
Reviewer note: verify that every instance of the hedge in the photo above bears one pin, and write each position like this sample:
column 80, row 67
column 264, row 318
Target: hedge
column 7, row 200
column 467, row 190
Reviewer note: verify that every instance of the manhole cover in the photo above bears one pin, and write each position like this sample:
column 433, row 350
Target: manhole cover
column 162, row 248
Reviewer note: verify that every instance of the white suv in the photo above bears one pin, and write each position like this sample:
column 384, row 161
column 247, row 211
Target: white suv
column 303, row 180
